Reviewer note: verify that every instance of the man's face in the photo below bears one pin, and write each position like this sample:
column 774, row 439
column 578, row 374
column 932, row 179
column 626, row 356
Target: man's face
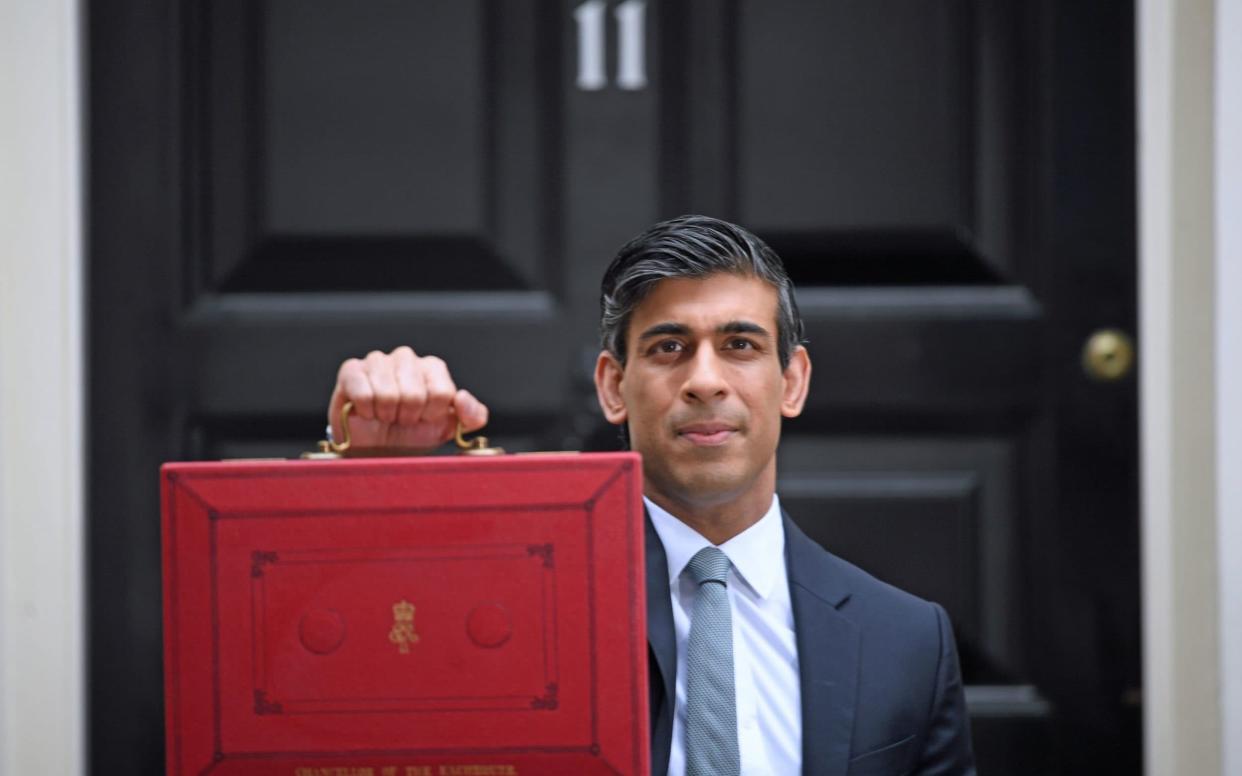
column 702, row 389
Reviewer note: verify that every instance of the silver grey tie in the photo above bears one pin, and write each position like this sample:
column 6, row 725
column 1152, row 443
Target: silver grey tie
column 711, row 708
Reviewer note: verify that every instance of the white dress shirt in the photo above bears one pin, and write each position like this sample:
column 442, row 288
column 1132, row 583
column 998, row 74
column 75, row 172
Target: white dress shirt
column 765, row 654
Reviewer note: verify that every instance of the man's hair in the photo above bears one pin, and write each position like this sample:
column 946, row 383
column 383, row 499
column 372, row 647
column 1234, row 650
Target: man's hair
column 692, row 247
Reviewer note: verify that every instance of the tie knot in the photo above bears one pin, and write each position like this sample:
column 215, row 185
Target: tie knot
column 709, row 564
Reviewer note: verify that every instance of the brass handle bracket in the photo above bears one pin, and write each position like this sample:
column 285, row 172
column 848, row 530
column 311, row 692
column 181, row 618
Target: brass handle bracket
column 475, row 446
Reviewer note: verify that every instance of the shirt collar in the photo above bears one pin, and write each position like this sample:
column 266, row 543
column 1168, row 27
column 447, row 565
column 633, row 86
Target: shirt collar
column 757, row 554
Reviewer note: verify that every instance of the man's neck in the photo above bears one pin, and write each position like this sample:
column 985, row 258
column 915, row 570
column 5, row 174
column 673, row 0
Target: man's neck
column 718, row 521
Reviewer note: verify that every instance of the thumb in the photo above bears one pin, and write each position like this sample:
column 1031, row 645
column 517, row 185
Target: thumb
column 470, row 411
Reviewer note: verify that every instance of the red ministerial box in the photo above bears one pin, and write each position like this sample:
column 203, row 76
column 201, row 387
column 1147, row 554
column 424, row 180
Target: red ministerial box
column 403, row 617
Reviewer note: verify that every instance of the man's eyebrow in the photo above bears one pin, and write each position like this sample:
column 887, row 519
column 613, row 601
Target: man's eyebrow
column 682, row 330
column 666, row 328
column 742, row 327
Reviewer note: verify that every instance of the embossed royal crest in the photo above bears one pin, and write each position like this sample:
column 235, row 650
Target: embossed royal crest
column 402, row 633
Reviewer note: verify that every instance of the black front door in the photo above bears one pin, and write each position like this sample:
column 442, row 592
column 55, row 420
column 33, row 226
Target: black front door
column 278, row 185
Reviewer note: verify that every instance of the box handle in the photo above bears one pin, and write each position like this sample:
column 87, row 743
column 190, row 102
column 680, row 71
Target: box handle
column 331, row 449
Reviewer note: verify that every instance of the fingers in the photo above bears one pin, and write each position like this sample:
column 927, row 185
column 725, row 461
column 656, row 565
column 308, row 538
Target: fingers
column 404, row 390
column 352, row 384
column 380, row 369
column 470, row 411
column 440, row 390
column 411, row 386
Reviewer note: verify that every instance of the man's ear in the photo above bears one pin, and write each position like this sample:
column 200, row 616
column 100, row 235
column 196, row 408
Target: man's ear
column 608, row 375
column 797, row 380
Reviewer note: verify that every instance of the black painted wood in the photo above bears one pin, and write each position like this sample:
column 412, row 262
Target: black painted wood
column 278, row 185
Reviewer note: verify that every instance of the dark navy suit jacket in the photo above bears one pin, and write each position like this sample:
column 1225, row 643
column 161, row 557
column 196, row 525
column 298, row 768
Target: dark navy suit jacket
column 881, row 688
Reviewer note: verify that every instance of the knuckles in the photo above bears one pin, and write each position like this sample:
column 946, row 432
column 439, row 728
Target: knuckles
column 371, row 380
column 386, row 397
column 440, row 396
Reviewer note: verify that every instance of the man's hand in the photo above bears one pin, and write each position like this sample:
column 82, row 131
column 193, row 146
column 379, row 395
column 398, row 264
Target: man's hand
column 402, row 399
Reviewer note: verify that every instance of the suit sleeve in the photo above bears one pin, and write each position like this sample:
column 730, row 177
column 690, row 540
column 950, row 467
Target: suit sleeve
column 946, row 746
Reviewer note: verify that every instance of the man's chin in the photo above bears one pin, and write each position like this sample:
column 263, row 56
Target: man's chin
column 704, row 487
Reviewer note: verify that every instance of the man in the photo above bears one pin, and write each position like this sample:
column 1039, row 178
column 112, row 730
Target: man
column 768, row 654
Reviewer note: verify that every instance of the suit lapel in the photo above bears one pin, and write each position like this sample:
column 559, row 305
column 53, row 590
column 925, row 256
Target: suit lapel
column 662, row 640
column 828, row 646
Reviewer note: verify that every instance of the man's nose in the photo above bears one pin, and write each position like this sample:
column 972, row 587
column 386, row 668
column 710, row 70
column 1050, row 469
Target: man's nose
column 706, row 380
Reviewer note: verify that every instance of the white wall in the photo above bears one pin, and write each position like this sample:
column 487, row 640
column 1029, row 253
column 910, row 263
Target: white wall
column 42, row 632
column 1228, row 94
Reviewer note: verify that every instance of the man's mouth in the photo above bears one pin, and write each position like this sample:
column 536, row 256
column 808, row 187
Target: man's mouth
column 707, row 434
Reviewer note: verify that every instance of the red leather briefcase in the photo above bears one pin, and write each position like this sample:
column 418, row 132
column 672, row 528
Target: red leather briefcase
column 405, row 617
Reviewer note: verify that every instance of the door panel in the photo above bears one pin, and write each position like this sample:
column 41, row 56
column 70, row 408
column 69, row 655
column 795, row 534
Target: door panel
column 914, row 165
column 888, row 149
column 385, row 147
column 360, row 178
column 349, row 91
column 886, row 135
column 936, row 515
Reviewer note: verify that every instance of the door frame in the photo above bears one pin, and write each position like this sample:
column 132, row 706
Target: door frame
column 1190, row 192
column 42, row 389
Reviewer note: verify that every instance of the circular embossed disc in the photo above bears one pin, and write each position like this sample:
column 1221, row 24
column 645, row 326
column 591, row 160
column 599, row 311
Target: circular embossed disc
column 321, row 631
column 488, row 625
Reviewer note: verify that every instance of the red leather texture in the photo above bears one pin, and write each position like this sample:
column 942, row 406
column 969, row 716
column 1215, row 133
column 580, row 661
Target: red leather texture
column 402, row 617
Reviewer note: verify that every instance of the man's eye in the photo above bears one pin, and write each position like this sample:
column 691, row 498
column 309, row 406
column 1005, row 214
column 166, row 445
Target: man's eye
column 740, row 344
column 669, row 346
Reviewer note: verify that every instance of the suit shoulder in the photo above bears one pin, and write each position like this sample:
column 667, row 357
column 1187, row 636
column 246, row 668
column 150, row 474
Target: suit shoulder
column 869, row 600
column 869, row 586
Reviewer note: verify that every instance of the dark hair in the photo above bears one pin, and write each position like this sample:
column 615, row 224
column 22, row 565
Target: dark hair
column 692, row 247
